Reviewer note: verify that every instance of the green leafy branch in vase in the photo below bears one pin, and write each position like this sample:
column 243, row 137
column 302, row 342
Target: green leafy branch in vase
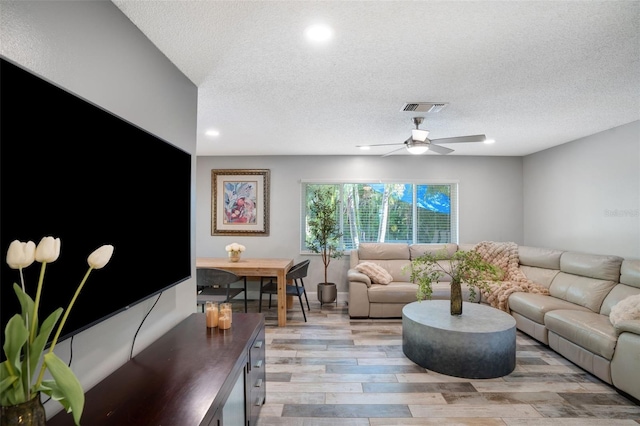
column 466, row 267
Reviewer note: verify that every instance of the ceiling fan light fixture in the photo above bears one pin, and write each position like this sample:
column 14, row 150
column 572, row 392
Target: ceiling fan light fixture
column 319, row 33
column 416, row 147
column 419, row 135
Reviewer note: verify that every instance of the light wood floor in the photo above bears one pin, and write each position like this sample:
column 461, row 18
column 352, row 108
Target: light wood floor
column 335, row 371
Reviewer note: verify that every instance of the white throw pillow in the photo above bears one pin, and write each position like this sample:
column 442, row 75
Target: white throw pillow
column 626, row 309
column 376, row 272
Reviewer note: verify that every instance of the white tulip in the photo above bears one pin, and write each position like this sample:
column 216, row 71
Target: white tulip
column 48, row 250
column 20, row 255
column 100, row 257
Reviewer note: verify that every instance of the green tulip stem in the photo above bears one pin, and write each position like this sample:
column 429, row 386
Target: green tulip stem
column 34, row 319
column 22, row 280
column 27, row 378
column 64, row 319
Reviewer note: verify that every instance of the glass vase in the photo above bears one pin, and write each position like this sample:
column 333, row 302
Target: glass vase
column 30, row 413
column 456, row 298
column 234, row 256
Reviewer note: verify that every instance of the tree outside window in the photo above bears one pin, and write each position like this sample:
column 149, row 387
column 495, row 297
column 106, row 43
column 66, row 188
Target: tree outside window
column 391, row 212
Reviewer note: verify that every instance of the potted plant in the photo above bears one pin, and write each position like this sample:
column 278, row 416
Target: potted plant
column 464, row 266
column 26, row 335
column 323, row 234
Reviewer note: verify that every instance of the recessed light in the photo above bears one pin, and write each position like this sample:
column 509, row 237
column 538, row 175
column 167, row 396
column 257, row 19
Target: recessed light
column 489, row 141
column 365, row 148
column 318, row 33
column 212, row 132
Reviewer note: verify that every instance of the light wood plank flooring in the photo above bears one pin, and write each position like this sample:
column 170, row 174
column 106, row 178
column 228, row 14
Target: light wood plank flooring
column 333, row 370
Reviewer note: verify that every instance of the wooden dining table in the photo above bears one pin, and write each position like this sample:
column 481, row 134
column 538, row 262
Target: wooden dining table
column 256, row 267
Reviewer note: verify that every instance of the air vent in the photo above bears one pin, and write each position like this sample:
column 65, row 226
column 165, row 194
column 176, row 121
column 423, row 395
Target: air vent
column 423, row 106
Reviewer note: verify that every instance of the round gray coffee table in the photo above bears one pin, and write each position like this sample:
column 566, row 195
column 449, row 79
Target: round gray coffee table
column 479, row 344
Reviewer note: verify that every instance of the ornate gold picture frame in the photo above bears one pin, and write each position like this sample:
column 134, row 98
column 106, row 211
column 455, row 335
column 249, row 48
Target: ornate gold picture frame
column 240, row 202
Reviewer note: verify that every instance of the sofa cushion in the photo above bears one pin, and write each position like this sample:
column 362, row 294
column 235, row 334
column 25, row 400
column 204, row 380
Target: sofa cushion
column 626, row 309
column 618, row 293
column 541, row 276
column 376, row 273
column 535, row 306
column 383, row 251
column 442, row 291
column 442, row 251
column 400, row 270
column 394, row 292
column 539, row 257
column 445, row 251
column 596, row 266
column 589, row 330
column 630, row 272
column 466, row 246
column 583, row 291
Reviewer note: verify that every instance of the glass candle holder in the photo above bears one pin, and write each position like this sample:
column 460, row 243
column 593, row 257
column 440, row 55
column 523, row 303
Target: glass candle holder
column 224, row 321
column 211, row 312
column 225, row 308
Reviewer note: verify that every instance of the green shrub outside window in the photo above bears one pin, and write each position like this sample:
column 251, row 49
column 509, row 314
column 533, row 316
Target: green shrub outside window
column 389, row 212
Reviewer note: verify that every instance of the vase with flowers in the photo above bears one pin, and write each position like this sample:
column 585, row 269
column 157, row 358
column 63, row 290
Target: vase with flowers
column 26, row 336
column 234, row 250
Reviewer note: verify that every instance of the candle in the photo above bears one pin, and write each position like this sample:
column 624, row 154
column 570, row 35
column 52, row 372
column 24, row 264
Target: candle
column 211, row 311
column 224, row 322
column 225, row 308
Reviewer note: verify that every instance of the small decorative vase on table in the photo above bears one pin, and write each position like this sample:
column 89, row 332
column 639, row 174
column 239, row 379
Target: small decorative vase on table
column 456, row 298
column 234, row 250
column 30, row 413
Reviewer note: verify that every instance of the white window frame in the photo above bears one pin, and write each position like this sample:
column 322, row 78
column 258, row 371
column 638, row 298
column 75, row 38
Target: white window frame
column 453, row 206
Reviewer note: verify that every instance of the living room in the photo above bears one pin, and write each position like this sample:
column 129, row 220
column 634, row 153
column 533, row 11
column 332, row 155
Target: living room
column 583, row 195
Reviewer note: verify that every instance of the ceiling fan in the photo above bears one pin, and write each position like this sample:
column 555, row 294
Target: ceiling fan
column 418, row 143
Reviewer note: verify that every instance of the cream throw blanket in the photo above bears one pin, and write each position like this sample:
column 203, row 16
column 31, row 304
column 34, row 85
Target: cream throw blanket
column 505, row 257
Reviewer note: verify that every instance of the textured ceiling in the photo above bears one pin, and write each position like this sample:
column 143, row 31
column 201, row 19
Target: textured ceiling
column 529, row 74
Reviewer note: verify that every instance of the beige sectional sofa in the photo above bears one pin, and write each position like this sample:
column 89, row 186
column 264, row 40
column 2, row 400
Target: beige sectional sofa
column 367, row 300
column 573, row 319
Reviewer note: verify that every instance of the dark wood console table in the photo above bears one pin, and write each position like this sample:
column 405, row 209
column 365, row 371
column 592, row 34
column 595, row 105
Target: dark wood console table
column 191, row 376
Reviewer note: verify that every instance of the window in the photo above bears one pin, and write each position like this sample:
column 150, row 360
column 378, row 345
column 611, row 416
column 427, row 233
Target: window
column 390, row 212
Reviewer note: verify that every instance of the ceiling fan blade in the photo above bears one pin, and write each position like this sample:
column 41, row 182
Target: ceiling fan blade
column 460, row 139
column 391, row 152
column 382, row 144
column 439, row 149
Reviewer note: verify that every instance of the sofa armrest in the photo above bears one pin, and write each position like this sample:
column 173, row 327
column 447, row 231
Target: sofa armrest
column 631, row 326
column 358, row 294
column 625, row 374
column 354, row 275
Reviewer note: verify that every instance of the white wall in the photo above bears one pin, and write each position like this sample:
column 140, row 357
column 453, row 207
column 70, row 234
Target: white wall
column 94, row 51
column 585, row 195
column 490, row 194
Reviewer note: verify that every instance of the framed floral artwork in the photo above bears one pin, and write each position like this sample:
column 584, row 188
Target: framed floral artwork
column 240, row 202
